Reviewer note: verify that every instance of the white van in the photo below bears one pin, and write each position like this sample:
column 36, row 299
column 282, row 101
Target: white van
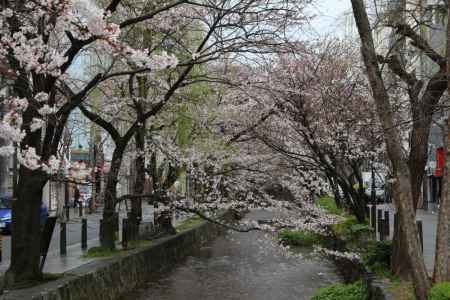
column 380, row 180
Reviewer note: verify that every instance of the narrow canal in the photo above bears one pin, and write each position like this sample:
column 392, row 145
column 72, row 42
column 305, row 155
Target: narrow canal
column 241, row 266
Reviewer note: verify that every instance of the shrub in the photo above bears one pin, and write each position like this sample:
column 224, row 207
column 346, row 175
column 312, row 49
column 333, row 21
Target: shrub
column 328, row 203
column 377, row 256
column 360, row 229
column 300, row 238
column 354, row 291
column 353, row 233
column 342, row 229
column 440, row 291
column 359, row 234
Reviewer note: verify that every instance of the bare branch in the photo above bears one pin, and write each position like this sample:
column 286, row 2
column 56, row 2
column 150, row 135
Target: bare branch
column 113, row 5
column 419, row 42
column 150, row 15
column 101, row 122
column 126, row 73
column 396, row 66
column 261, row 120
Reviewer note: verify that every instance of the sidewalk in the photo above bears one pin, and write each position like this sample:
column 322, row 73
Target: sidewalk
column 55, row 263
column 429, row 220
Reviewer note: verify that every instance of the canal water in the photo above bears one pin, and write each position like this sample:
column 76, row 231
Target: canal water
column 241, row 266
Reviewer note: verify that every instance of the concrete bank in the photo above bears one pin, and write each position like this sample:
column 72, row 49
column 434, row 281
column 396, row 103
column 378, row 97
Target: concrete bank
column 109, row 278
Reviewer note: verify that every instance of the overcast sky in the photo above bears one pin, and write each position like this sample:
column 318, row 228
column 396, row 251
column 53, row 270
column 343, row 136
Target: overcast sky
column 329, row 15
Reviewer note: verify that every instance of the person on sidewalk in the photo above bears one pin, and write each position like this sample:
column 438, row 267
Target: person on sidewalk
column 76, row 197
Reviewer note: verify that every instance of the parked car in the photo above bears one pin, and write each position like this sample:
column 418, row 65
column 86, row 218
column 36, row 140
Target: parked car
column 6, row 213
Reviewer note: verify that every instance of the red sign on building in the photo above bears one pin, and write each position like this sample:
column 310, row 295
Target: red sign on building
column 440, row 162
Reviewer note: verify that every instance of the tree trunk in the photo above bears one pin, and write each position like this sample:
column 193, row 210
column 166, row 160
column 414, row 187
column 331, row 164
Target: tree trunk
column 393, row 140
column 139, row 137
column 406, row 219
column 336, row 192
column 109, row 222
column 442, row 236
column 358, row 205
column 418, row 154
column 25, row 238
column 162, row 220
column 400, row 266
column 356, row 201
column 164, row 223
column 136, row 204
column 441, row 258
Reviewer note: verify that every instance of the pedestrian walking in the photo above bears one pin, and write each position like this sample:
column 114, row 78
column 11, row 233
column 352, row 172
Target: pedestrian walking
column 76, row 197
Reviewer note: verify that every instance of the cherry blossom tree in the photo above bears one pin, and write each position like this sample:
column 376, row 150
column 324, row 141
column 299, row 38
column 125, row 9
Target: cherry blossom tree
column 237, row 179
column 221, row 28
column 316, row 113
column 40, row 42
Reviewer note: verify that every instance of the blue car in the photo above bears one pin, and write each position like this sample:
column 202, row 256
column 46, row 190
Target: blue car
column 6, row 216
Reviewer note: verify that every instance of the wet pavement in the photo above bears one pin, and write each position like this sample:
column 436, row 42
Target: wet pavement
column 429, row 220
column 241, row 266
column 57, row 263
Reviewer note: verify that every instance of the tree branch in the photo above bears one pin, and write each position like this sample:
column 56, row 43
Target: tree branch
column 398, row 69
column 125, row 73
column 76, row 99
column 261, row 120
column 419, row 42
column 113, row 5
column 215, row 221
column 102, row 123
column 150, row 15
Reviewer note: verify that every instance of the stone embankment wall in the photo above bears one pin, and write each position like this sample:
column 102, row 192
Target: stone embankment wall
column 108, row 279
